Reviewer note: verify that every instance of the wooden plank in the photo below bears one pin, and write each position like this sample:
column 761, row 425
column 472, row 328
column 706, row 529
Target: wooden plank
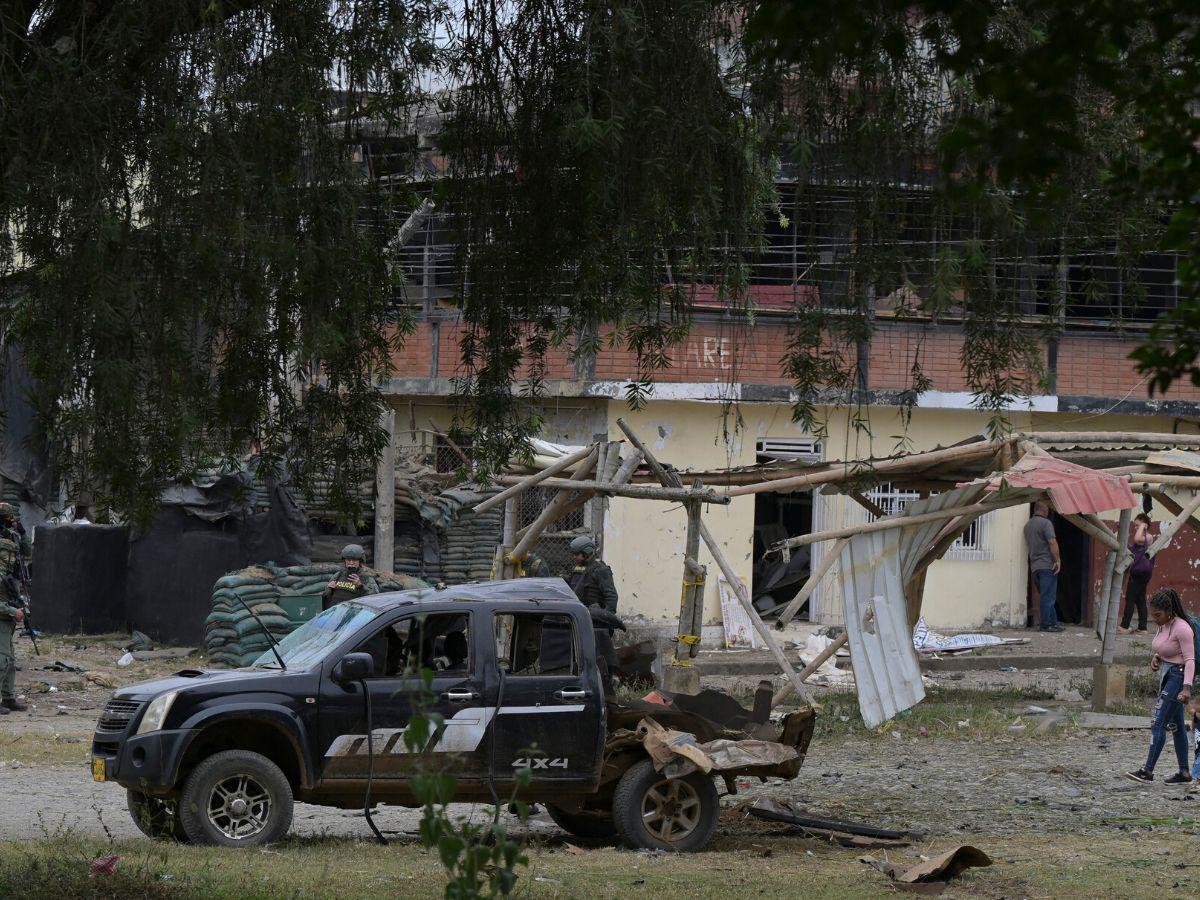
column 868, row 504
column 807, row 671
column 1173, row 526
column 810, row 585
column 1104, row 536
column 554, row 509
column 634, row 491
column 1109, row 647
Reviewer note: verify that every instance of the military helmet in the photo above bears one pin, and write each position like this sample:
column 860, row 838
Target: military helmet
column 584, row 544
column 354, row 551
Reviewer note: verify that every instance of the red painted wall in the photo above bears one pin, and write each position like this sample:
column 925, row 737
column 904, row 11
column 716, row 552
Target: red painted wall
column 1177, row 566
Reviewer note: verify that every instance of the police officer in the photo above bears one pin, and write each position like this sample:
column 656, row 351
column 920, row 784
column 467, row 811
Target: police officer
column 12, row 614
column 12, row 529
column 592, row 579
column 533, row 566
column 350, row 581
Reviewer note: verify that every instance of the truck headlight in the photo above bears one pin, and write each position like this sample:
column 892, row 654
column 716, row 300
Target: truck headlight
column 156, row 712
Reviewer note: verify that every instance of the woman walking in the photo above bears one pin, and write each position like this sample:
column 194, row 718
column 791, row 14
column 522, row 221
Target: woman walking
column 1139, row 575
column 1174, row 658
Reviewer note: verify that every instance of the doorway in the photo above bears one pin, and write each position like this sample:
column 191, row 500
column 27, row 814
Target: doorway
column 777, row 580
column 1075, row 550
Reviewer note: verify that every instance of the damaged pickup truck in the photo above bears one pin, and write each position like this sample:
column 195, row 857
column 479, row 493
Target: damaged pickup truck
column 219, row 757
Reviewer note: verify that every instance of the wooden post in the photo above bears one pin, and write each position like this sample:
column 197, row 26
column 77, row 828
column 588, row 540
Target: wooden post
column 385, row 498
column 740, row 590
column 1102, row 679
column 814, row 579
column 868, row 504
column 508, row 563
column 1114, row 594
column 680, row 676
column 554, row 509
column 597, row 516
column 1110, row 564
column 532, row 481
column 1104, row 536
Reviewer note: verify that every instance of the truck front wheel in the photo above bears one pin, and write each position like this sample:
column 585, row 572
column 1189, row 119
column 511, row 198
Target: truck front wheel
column 155, row 817
column 236, row 798
column 653, row 812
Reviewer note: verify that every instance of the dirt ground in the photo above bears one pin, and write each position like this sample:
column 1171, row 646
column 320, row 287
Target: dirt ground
column 960, row 789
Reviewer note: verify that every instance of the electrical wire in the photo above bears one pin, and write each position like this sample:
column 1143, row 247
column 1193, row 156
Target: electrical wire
column 370, row 763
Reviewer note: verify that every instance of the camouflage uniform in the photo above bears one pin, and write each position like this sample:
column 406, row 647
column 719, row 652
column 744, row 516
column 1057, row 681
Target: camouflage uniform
column 10, row 605
column 341, row 588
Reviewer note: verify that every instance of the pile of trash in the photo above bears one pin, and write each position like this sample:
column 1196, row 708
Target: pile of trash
column 281, row 597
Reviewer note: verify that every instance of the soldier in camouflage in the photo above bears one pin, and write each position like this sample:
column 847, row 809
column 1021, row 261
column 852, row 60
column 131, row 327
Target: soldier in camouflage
column 12, row 614
column 349, row 582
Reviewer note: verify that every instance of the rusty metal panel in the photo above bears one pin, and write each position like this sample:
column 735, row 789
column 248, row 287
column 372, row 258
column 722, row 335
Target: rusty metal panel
column 886, row 674
column 1073, row 488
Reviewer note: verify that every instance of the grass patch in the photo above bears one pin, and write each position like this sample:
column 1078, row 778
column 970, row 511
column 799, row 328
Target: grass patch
column 986, row 712
column 775, row 864
column 45, row 749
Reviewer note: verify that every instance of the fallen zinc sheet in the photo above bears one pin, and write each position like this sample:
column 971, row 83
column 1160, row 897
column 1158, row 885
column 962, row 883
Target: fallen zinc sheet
column 678, row 753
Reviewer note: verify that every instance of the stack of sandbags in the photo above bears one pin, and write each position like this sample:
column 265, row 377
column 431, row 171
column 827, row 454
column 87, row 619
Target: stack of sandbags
column 468, row 544
column 282, row 597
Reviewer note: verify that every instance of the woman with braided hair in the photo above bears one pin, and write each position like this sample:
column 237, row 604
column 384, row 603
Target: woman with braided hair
column 1174, row 658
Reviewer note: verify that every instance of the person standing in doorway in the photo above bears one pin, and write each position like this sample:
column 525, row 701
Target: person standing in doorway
column 1174, row 660
column 1045, row 562
column 1139, row 575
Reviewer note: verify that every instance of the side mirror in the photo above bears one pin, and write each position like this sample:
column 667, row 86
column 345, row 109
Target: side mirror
column 354, row 667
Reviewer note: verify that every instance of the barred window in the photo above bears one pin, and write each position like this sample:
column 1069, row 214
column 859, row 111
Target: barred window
column 972, row 544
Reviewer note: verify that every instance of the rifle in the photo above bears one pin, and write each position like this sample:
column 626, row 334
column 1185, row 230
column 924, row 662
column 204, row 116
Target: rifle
column 27, row 586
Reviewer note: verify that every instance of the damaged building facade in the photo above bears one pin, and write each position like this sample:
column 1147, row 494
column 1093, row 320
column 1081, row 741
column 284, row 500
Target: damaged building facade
column 725, row 404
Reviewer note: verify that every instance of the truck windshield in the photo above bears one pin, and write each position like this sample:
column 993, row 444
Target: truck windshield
column 309, row 643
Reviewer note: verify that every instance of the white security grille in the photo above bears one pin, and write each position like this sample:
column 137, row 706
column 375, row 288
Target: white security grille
column 971, row 545
column 804, row 449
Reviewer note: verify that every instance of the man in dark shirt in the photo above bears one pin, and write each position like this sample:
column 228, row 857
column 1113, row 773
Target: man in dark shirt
column 1044, row 562
column 349, row 582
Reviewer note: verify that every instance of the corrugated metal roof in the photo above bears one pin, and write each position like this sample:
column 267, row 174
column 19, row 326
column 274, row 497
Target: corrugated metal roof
column 1073, row 488
column 887, row 676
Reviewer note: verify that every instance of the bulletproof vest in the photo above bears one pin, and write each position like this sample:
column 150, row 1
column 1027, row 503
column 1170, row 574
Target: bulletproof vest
column 344, row 589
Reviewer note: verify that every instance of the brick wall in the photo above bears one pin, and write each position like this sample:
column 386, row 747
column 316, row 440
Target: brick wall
column 723, row 352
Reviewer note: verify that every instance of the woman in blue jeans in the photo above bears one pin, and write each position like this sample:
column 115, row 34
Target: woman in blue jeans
column 1174, row 658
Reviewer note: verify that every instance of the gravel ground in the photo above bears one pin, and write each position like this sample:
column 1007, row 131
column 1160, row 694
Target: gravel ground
column 1072, row 780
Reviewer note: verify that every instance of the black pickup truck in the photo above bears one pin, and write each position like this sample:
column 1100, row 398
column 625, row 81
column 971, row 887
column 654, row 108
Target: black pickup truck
column 219, row 757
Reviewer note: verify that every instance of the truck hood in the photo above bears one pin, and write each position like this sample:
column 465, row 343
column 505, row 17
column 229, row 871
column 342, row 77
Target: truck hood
column 229, row 680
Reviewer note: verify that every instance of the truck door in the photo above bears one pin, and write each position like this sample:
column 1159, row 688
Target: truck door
column 550, row 716
column 438, row 642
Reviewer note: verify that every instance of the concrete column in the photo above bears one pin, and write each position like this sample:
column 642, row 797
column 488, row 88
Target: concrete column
column 385, row 497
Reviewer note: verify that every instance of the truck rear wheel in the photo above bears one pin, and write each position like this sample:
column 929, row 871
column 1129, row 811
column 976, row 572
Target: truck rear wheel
column 155, row 817
column 584, row 824
column 236, row 798
column 653, row 812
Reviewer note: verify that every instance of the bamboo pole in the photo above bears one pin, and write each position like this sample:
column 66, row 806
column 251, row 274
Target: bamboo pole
column 1114, row 598
column 634, row 491
column 810, row 585
column 1110, row 566
column 622, row 477
column 1179, row 481
column 554, row 509
column 740, row 590
column 850, row 470
column 807, row 671
column 692, row 594
column 450, row 443
column 533, row 480
column 1104, row 536
column 1164, row 537
column 899, row 521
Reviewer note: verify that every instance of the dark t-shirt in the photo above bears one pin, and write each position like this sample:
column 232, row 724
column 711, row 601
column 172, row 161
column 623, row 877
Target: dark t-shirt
column 1039, row 532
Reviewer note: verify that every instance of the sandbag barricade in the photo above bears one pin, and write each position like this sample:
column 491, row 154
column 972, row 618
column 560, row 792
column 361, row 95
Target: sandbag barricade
column 281, row 597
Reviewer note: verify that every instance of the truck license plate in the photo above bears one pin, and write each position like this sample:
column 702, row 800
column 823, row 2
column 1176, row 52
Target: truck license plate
column 97, row 769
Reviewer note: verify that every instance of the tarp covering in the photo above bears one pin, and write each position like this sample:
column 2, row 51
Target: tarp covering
column 79, row 578
column 22, row 460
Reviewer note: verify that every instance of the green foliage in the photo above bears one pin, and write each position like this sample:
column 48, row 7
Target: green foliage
column 480, row 859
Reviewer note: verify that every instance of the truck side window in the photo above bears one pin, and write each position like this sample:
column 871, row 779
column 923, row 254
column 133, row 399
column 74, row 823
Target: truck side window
column 536, row 644
column 437, row 641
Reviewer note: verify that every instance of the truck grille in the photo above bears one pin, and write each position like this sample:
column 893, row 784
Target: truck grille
column 117, row 715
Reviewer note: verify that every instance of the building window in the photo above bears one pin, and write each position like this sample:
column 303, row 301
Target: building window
column 972, row 544
column 802, row 449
